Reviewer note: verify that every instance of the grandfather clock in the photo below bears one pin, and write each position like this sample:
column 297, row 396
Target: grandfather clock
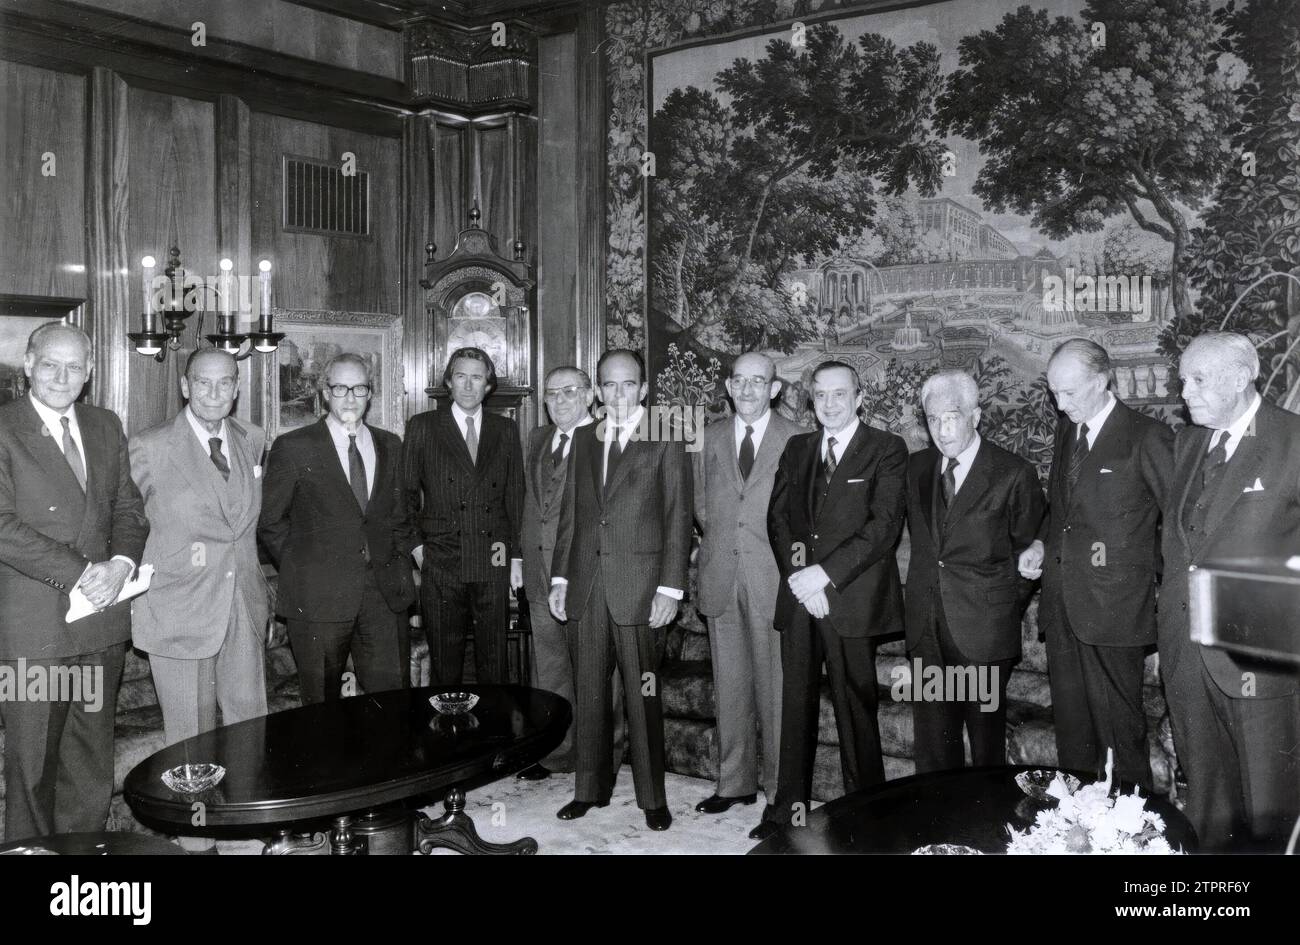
column 477, row 297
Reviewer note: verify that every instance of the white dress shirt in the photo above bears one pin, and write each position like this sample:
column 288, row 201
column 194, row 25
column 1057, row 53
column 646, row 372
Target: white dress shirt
column 461, row 416
column 965, row 459
column 568, row 444
column 54, row 426
column 1097, row 421
column 365, row 446
column 202, row 434
column 842, row 439
column 760, row 427
column 1237, row 430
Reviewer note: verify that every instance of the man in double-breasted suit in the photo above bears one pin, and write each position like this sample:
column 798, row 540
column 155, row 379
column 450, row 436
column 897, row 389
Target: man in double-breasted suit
column 834, row 519
column 738, row 580
column 336, row 523
column 568, row 395
column 1235, row 494
column 1097, row 553
column 619, row 570
column 70, row 517
column 972, row 508
column 465, row 478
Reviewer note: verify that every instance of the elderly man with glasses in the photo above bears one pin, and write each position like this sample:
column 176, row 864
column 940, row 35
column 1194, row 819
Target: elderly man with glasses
column 334, row 518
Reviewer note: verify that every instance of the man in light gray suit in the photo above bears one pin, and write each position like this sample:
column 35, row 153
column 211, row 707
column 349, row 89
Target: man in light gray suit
column 738, row 580
column 203, row 620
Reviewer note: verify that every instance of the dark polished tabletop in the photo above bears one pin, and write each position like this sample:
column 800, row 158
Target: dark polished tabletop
column 969, row 807
column 94, row 844
column 351, row 755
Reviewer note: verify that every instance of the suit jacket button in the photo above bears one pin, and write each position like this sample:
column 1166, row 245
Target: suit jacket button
column 817, row 536
column 1058, row 560
column 462, row 505
column 941, row 564
column 735, row 551
column 603, row 522
column 1191, row 567
column 1068, row 527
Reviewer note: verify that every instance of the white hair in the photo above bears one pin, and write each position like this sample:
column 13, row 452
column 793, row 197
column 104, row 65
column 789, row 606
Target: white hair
column 43, row 332
column 1230, row 347
column 961, row 383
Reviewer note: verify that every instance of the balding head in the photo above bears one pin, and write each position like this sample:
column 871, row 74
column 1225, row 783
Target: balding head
column 57, row 364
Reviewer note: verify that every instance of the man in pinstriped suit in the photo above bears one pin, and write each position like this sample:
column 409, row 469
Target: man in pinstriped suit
column 620, row 568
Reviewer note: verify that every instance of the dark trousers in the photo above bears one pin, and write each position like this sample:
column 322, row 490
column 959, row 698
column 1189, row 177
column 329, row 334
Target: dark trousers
column 851, row 669
column 451, row 609
column 1240, row 759
column 596, row 644
column 378, row 640
column 1097, row 704
column 937, row 724
column 59, row 753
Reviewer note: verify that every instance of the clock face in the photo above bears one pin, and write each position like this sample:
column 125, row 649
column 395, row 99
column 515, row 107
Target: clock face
column 488, row 334
column 476, row 305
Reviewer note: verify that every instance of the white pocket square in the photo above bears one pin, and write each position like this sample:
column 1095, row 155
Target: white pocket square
column 851, row 481
column 1104, row 470
column 257, row 472
column 1257, row 487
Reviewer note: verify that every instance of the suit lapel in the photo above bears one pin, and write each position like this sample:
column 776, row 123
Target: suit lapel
column 1106, row 448
column 538, row 456
column 328, row 458
column 975, row 484
column 811, row 468
column 95, row 449
column 769, row 451
column 631, row 453
column 1246, row 460
column 241, row 473
column 454, row 441
column 850, row 462
column 489, row 441
column 926, row 489
column 47, row 452
column 1189, row 464
column 725, row 449
column 187, row 456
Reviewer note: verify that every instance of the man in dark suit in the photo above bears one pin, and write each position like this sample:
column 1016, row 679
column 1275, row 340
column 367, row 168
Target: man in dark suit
column 834, row 520
column 70, row 518
column 738, row 579
column 972, row 507
column 334, row 518
column 1235, row 493
column 620, row 568
column 568, row 395
column 465, row 476
column 1096, row 552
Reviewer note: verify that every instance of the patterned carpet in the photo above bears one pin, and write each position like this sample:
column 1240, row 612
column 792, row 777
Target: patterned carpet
column 510, row 809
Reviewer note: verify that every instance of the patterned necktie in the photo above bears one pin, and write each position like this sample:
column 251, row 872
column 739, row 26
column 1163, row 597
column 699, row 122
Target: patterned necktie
column 557, row 454
column 1215, row 459
column 1078, row 456
column 830, row 459
column 357, row 472
column 949, row 481
column 73, row 455
column 747, row 452
column 214, row 453
column 471, row 439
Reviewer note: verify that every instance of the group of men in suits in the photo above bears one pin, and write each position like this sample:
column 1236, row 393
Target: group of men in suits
column 797, row 570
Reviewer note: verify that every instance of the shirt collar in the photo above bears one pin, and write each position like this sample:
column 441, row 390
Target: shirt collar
column 844, row 437
column 759, row 425
column 461, row 416
column 1097, row 420
column 339, row 433
column 630, row 423
column 966, row 458
column 201, row 431
column 1239, row 426
column 51, row 418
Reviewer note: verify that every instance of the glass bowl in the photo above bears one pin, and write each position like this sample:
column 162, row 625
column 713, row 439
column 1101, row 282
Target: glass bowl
column 1035, row 783
column 193, row 778
column 454, row 703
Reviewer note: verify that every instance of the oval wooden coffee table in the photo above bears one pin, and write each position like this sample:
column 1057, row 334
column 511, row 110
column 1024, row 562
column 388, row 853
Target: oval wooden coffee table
column 346, row 759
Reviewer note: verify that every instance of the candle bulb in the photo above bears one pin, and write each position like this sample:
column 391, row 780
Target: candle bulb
column 226, row 283
column 146, row 270
column 264, row 322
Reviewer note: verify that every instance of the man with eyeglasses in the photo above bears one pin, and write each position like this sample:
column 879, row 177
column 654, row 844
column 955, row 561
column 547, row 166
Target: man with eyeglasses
column 738, row 579
column 203, row 621
column 619, row 570
column 568, row 395
column 334, row 519
column 465, row 476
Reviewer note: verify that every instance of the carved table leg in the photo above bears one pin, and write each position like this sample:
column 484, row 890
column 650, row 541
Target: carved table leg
column 455, row 830
column 288, row 843
column 343, row 842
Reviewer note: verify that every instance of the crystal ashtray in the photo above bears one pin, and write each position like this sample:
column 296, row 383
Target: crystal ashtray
column 454, row 703
column 1035, row 783
column 193, row 778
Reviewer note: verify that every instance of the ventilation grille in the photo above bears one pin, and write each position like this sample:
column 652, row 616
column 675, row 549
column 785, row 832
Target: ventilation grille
column 320, row 198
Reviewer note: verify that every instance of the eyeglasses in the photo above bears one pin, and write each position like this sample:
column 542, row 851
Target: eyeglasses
column 757, row 383
column 342, row 390
column 564, row 393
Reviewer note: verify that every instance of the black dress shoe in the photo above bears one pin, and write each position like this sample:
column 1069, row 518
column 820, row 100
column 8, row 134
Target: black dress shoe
column 534, row 773
column 575, row 809
column 715, row 804
column 658, row 818
column 765, row 830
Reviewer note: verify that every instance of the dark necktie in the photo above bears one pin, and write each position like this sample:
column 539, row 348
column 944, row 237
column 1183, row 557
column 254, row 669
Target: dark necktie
column 1215, row 460
column 357, row 472
column 747, row 452
column 214, row 453
column 949, row 481
column 615, row 454
column 557, row 454
column 471, row 439
column 1078, row 456
column 830, row 464
column 73, row 455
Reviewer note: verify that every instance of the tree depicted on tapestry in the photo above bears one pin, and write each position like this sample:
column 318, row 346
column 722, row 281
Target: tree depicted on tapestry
column 1122, row 111
column 782, row 165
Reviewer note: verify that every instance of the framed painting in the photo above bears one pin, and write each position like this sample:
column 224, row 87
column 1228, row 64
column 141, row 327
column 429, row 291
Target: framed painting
column 290, row 397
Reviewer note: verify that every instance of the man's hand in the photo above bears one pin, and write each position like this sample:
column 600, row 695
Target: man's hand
column 818, row 605
column 808, row 581
column 556, row 601
column 102, row 582
column 662, row 610
column 516, row 574
column 1031, row 561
